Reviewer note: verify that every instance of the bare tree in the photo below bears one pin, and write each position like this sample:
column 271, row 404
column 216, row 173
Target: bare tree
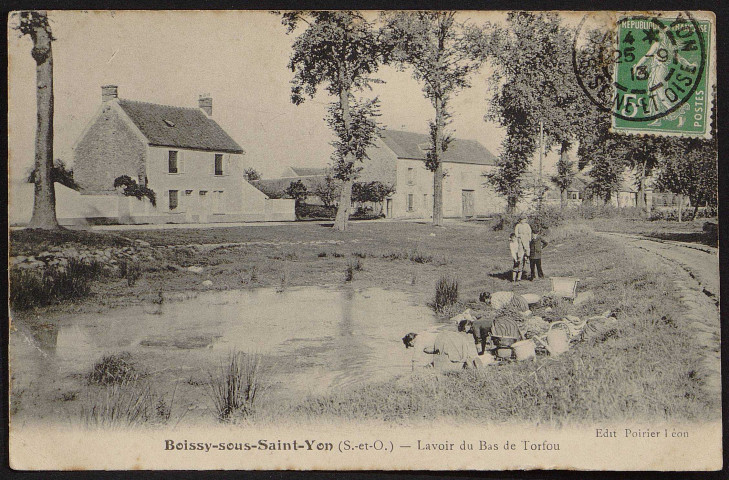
column 35, row 24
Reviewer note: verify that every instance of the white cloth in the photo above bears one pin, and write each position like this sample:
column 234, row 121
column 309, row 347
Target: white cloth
column 423, row 340
column 524, row 235
column 501, row 299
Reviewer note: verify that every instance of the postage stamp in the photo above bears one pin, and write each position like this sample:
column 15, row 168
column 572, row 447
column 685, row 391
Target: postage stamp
column 656, row 76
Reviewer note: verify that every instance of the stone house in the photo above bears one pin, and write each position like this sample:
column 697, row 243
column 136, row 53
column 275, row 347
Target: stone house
column 398, row 159
column 194, row 167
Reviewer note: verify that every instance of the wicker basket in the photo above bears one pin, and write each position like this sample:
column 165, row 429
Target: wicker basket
column 565, row 287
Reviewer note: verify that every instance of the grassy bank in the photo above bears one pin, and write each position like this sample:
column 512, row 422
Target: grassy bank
column 643, row 368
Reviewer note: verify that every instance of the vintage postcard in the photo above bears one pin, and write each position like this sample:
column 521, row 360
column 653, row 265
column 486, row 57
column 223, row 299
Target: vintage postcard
column 341, row 240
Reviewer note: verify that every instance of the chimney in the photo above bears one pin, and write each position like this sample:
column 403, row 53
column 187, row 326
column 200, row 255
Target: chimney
column 205, row 102
column 109, row 92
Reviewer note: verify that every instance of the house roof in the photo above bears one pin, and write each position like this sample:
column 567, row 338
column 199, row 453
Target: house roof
column 181, row 127
column 278, row 185
column 309, row 172
column 414, row 146
column 577, row 185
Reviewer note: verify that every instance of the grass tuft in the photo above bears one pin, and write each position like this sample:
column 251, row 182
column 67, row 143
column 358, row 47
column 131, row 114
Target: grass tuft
column 446, row 293
column 235, row 388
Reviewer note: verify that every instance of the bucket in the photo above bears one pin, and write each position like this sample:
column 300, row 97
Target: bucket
column 565, row 287
column 558, row 339
column 504, row 353
column 524, row 350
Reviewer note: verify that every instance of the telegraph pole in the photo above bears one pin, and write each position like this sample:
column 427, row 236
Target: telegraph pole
column 540, row 188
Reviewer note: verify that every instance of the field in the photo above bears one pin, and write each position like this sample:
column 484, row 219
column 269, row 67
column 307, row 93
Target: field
column 642, row 368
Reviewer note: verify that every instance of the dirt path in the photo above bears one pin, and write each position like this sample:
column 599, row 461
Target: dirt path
column 698, row 287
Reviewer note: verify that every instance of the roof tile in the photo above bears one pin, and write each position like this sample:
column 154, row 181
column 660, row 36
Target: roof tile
column 178, row 127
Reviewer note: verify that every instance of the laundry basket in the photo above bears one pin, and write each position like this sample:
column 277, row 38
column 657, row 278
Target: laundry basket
column 565, row 287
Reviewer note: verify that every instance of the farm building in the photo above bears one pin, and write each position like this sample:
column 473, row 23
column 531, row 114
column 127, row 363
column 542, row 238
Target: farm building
column 194, row 167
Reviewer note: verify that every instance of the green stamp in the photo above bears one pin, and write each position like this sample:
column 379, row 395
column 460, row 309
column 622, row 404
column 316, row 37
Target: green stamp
column 651, row 73
column 661, row 70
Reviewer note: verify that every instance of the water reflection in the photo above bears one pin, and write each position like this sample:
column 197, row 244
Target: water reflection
column 320, row 338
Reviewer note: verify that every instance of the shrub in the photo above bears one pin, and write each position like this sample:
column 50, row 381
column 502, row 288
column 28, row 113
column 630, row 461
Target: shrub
column 130, row 270
column 234, row 389
column 446, row 293
column 51, row 284
column 546, row 218
column 353, row 265
column 304, row 210
column 419, row 257
column 113, row 369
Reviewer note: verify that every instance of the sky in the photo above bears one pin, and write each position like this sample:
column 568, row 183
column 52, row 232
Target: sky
column 239, row 58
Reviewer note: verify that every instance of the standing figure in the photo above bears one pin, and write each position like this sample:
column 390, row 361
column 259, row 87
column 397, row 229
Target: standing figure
column 523, row 234
column 535, row 254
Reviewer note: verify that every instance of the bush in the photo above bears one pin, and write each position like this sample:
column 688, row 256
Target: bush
column 130, row 270
column 113, row 369
column 235, row 388
column 304, row 210
column 545, row 218
column 671, row 215
column 446, row 293
column 51, row 284
column 353, row 265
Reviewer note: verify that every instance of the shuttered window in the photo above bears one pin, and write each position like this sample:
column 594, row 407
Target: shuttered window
column 218, row 164
column 174, row 199
column 172, row 166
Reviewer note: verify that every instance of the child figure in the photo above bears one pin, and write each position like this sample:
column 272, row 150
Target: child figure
column 517, row 256
column 535, row 254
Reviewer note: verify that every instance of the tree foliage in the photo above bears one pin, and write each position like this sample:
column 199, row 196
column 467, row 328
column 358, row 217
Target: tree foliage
column 442, row 53
column 59, row 174
column 362, row 135
column 327, row 189
column 251, row 174
column 338, row 50
column 296, row 190
column 130, row 188
column 564, row 177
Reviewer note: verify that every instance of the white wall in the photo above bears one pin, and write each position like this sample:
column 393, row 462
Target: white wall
column 197, row 173
column 460, row 177
column 72, row 208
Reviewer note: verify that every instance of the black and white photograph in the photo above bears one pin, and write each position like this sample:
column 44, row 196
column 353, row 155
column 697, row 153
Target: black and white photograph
column 363, row 240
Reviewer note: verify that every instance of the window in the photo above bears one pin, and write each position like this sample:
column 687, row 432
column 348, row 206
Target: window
column 425, row 201
column 218, row 164
column 172, row 162
column 411, row 175
column 410, row 202
column 174, row 200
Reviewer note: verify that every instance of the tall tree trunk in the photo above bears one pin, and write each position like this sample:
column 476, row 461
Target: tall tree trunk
column 680, row 208
column 511, row 202
column 563, row 161
column 641, row 188
column 696, row 206
column 44, row 205
column 345, row 195
column 438, row 174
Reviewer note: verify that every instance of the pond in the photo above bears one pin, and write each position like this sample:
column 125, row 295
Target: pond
column 316, row 338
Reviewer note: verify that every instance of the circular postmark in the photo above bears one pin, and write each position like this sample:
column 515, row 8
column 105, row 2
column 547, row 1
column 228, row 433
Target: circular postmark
column 639, row 68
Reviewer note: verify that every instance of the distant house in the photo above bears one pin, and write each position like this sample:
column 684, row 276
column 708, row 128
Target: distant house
column 310, row 177
column 182, row 154
column 398, row 159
